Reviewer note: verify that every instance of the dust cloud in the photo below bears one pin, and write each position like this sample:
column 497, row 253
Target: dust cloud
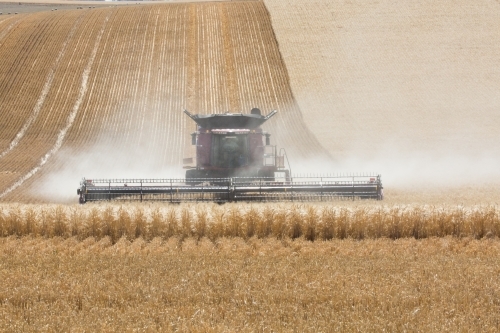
column 408, row 90
column 137, row 148
column 401, row 170
column 428, row 153
column 101, row 162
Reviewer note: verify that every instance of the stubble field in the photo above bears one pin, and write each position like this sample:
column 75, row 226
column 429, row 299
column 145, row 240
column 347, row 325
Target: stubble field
column 410, row 89
column 432, row 285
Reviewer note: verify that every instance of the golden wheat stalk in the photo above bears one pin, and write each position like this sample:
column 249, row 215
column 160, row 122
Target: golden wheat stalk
column 280, row 221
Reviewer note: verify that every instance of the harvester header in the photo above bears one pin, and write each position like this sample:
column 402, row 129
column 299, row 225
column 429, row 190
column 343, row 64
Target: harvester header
column 234, row 161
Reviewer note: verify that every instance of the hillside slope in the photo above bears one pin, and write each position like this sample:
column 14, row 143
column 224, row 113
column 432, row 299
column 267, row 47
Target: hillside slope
column 100, row 92
column 411, row 89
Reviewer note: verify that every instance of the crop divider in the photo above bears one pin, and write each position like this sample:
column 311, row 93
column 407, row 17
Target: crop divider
column 171, row 192
column 352, row 188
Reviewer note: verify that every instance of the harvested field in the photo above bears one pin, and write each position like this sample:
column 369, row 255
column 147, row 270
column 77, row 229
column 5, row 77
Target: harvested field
column 409, row 89
column 433, row 285
column 101, row 91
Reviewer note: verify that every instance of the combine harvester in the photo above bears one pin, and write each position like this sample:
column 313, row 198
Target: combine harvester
column 234, row 162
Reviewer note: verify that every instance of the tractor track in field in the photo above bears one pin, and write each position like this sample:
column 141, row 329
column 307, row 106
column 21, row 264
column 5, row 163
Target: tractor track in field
column 69, row 122
column 45, row 90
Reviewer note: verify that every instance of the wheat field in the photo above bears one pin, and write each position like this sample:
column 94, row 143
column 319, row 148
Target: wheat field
column 240, row 267
column 410, row 90
column 312, row 222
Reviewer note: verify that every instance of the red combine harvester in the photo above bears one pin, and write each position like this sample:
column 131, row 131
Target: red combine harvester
column 231, row 145
column 235, row 161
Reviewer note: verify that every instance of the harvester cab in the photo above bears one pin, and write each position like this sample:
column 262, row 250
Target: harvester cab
column 235, row 161
column 234, row 145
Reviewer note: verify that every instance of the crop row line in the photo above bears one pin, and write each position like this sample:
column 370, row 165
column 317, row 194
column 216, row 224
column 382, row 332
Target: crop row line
column 69, row 122
column 290, row 222
column 45, row 90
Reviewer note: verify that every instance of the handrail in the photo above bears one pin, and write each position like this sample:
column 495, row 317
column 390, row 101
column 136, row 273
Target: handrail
column 287, row 161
